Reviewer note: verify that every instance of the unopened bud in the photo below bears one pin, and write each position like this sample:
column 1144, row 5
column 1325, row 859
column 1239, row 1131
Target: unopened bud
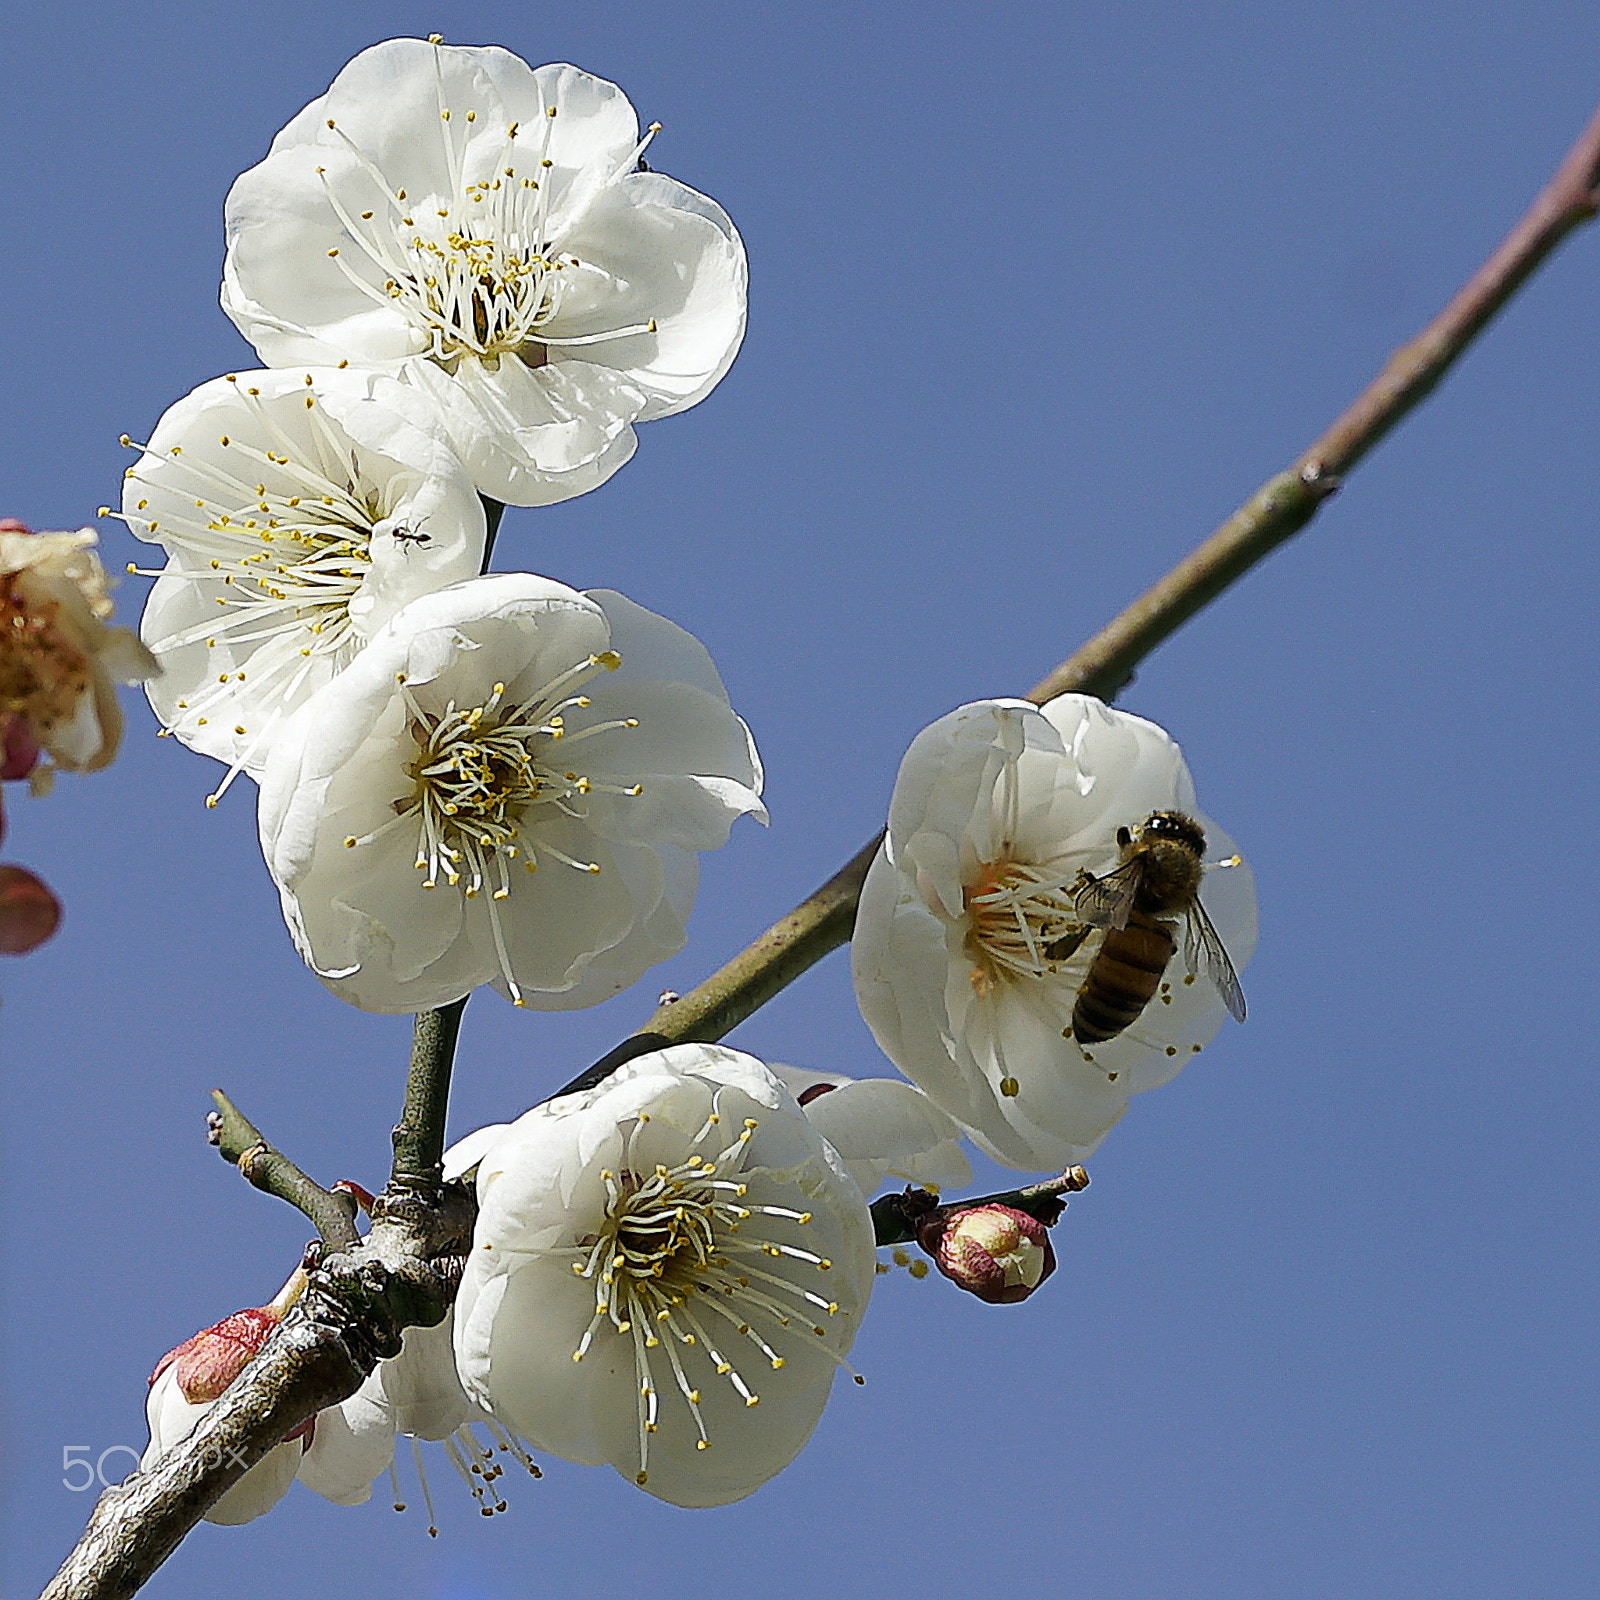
column 191, row 1377
column 29, row 912
column 207, row 1362
column 364, row 1198
column 996, row 1252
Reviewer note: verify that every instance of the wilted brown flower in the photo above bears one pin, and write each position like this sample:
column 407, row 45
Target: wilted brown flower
column 58, row 656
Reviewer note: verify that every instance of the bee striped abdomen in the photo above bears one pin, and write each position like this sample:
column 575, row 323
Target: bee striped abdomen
column 1123, row 978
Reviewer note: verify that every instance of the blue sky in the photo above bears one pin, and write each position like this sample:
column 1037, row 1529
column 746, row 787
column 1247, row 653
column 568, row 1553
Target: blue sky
column 1039, row 293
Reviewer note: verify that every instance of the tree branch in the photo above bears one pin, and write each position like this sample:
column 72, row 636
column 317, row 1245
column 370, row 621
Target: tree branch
column 351, row 1315
column 267, row 1168
column 1279, row 509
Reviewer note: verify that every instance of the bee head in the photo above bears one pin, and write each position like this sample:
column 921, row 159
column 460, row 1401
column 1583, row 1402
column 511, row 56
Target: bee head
column 1174, row 825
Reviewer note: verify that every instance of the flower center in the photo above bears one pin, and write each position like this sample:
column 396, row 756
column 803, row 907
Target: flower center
column 282, row 542
column 1021, row 922
column 477, row 270
column 43, row 675
column 672, row 1272
column 483, row 777
column 480, row 295
column 479, row 770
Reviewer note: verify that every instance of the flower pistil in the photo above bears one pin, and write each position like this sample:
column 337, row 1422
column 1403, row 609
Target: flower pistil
column 1022, row 921
column 477, row 271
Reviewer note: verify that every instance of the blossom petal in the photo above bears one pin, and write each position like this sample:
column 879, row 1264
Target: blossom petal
column 351, row 1443
column 972, row 941
column 881, row 1128
column 667, row 260
column 542, row 845
column 530, row 1343
column 527, row 434
column 299, row 511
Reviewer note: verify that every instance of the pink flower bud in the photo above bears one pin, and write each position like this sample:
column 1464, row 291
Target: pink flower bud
column 207, row 1362
column 29, row 912
column 189, row 1377
column 996, row 1252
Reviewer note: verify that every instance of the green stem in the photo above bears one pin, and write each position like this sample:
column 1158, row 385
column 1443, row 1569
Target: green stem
column 419, row 1135
column 268, row 1169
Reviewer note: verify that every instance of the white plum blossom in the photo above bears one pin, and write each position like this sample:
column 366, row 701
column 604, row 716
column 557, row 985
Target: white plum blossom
column 881, row 1128
column 970, row 950
column 415, row 1394
column 299, row 511
column 59, row 658
column 508, row 784
column 665, row 1274
column 485, row 229
column 172, row 1417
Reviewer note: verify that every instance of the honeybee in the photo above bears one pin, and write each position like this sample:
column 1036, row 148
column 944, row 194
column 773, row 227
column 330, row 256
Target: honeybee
column 1139, row 904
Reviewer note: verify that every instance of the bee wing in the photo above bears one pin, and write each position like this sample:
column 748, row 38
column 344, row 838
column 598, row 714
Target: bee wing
column 1105, row 902
column 1204, row 954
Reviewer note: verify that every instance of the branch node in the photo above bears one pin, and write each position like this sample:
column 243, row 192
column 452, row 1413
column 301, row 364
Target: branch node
column 1314, row 474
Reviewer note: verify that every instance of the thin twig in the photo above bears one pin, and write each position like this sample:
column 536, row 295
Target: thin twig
column 1279, row 509
column 896, row 1218
column 419, row 1135
column 267, row 1168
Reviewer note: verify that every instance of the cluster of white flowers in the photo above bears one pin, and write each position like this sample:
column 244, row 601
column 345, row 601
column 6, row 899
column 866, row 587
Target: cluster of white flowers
column 469, row 288
column 667, row 1272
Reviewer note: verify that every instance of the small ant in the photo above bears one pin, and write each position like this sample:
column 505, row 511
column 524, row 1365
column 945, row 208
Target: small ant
column 404, row 536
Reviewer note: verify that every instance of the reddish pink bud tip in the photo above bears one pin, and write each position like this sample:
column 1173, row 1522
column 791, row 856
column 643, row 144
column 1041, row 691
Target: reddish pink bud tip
column 29, row 912
column 206, row 1363
column 362, row 1197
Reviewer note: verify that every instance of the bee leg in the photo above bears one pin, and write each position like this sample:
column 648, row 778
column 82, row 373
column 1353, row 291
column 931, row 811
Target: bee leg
column 1062, row 949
